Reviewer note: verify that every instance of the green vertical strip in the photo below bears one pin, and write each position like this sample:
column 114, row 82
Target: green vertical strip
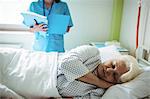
column 116, row 19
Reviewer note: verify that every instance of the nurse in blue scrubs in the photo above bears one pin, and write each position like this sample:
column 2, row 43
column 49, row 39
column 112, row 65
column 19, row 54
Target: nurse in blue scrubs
column 52, row 42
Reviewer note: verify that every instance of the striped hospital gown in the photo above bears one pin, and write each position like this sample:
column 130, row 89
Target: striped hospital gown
column 73, row 65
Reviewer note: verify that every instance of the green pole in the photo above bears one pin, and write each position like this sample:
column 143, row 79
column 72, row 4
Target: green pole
column 116, row 19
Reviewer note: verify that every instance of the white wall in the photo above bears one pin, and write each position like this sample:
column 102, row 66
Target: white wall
column 92, row 22
column 128, row 26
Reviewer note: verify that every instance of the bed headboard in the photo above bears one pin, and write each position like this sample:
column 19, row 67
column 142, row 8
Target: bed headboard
column 143, row 52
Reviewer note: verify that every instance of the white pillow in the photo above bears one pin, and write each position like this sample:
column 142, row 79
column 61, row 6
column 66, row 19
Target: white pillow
column 109, row 52
column 135, row 89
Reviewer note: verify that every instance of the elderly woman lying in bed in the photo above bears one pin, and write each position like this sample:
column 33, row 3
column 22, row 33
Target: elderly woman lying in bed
column 80, row 73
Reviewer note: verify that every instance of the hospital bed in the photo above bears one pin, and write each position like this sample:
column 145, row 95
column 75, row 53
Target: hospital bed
column 138, row 88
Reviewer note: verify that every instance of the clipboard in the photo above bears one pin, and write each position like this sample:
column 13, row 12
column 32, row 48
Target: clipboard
column 58, row 24
column 30, row 17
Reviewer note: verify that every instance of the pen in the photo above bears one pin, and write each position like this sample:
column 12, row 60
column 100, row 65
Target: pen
column 36, row 22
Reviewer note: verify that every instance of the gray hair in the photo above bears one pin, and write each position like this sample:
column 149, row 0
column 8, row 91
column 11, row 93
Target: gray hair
column 134, row 69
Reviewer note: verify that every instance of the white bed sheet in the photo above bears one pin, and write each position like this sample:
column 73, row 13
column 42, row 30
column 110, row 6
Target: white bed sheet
column 7, row 92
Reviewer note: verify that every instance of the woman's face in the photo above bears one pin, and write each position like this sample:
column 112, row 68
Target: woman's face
column 111, row 70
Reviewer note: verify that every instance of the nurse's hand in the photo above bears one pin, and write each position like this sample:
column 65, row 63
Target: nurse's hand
column 37, row 28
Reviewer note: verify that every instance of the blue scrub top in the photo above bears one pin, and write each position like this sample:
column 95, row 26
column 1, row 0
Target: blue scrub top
column 52, row 42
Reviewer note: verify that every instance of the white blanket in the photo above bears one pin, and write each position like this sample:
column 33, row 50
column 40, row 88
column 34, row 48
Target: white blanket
column 30, row 74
